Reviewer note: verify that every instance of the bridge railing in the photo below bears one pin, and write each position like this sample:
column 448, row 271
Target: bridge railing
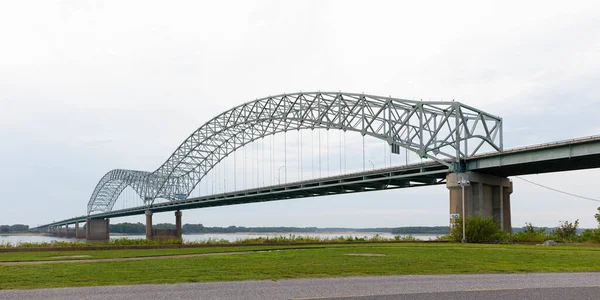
column 541, row 146
column 327, row 178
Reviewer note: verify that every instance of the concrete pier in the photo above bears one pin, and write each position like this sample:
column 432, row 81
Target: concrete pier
column 486, row 196
column 163, row 234
column 178, row 224
column 97, row 230
column 149, row 233
column 79, row 233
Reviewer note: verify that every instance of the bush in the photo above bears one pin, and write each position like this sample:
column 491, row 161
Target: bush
column 406, row 238
column 590, row 235
column 444, row 238
column 530, row 234
column 567, row 231
column 478, row 230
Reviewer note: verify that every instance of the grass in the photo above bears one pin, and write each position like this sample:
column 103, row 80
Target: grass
column 295, row 262
column 128, row 253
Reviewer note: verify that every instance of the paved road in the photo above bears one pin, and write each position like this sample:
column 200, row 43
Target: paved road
column 545, row 286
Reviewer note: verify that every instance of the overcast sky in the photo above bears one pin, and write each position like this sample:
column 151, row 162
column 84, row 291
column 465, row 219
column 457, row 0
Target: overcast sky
column 86, row 87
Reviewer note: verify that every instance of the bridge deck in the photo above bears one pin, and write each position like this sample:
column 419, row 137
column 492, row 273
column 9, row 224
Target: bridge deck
column 570, row 155
column 422, row 174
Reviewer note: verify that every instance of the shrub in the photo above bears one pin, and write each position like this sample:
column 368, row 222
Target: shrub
column 530, row 234
column 406, row 238
column 478, row 230
column 443, row 238
column 567, row 231
column 590, row 235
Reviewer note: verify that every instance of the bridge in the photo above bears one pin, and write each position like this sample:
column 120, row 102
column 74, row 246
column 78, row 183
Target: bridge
column 456, row 141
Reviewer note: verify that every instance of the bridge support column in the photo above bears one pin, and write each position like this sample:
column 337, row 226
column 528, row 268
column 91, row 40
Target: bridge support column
column 97, row 230
column 149, row 234
column 79, row 234
column 178, row 224
column 486, row 196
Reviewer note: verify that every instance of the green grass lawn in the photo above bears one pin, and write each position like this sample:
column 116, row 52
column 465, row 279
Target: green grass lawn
column 126, row 253
column 294, row 262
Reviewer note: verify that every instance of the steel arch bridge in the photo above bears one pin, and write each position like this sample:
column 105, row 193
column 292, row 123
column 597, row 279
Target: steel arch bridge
column 437, row 130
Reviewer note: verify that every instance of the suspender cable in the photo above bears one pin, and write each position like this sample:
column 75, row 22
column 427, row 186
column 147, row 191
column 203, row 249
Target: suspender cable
column 298, row 157
column 384, row 154
column 301, row 175
column 340, row 144
column 245, row 187
column 257, row 177
column 327, row 132
column 345, row 170
column 320, row 153
column 285, row 155
column 271, row 152
column 406, row 150
column 234, row 169
column 262, row 163
column 285, row 142
column 312, row 153
column 363, row 140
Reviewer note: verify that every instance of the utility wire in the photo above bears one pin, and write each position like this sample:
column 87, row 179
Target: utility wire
column 558, row 191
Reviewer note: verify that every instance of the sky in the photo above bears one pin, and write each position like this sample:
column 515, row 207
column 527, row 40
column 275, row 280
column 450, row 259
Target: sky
column 91, row 86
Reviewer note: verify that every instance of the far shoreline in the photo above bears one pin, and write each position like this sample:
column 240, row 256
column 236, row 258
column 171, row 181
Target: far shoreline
column 21, row 233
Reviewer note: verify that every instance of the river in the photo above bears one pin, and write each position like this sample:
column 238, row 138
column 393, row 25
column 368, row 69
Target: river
column 232, row 237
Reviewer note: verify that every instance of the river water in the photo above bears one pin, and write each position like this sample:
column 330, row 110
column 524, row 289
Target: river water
column 232, row 237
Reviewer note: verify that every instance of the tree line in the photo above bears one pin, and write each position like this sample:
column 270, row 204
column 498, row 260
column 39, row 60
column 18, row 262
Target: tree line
column 139, row 228
column 16, row 228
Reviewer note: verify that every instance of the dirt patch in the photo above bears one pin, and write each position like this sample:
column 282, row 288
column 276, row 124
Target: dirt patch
column 72, row 256
column 364, row 254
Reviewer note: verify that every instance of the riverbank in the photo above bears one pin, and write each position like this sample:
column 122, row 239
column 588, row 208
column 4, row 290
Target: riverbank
column 204, row 239
column 280, row 262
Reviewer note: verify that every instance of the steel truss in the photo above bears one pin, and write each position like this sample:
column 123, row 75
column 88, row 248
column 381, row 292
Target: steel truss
column 437, row 130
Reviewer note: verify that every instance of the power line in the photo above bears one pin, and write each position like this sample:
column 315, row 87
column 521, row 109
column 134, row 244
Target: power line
column 558, row 191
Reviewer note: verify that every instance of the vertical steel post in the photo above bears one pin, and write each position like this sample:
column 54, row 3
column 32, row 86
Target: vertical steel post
column 464, row 217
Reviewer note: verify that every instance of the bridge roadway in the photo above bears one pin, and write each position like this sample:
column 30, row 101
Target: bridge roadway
column 421, row 174
column 576, row 154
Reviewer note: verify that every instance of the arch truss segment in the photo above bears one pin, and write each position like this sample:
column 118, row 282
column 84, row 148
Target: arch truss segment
column 439, row 130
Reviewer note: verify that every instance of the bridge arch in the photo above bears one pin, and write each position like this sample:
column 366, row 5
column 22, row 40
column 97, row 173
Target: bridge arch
column 438, row 130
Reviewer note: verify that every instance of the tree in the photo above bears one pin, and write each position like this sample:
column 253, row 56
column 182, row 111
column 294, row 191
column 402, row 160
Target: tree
column 4, row 229
column 598, row 216
column 567, row 229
